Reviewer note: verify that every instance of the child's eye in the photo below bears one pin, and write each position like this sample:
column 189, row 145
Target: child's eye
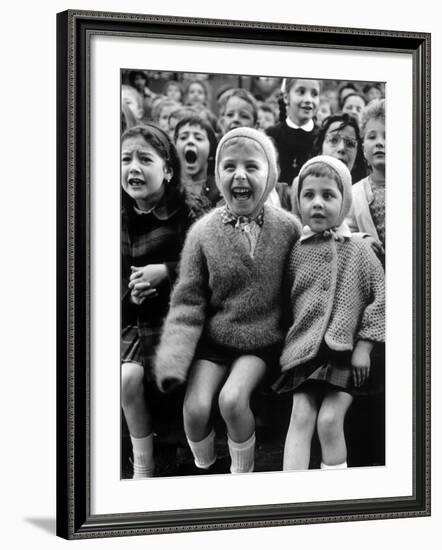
column 315, row 93
column 329, row 195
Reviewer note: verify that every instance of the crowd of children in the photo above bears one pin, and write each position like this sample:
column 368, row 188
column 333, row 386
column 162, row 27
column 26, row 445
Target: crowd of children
column 253, row 248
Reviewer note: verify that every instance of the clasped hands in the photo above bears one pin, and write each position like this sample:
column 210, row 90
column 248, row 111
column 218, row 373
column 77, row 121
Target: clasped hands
column 143, row 281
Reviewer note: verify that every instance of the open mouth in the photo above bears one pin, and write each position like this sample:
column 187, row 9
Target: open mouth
column 241, row 193
column 318, row 217
column 135, row 182
column 190, row 156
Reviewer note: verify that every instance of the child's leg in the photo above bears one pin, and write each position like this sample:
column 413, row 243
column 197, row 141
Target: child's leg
column 298, row 442
column 138, row 418
column 234, row 404
column 331, row 428
column 205, row 379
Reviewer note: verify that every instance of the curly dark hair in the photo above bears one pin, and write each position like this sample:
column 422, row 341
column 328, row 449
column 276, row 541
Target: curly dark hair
column 133, row 75
column 359, row 169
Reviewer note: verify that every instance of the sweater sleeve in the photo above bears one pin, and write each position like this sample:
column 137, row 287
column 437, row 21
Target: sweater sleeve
column 350, row 220
column 185, row 320
column 372, row 326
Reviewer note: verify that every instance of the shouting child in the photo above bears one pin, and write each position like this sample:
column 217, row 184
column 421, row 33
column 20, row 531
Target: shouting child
column 224, row 328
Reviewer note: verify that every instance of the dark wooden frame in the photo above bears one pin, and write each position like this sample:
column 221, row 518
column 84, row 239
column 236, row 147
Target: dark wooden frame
column 74, row 30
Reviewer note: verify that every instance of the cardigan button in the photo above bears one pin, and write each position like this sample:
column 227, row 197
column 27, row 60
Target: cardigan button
column 328, row 257
column 326, row 285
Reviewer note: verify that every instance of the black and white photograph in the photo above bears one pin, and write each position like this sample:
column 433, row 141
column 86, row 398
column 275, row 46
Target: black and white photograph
column 218, row 295
column 239, row 345
column 253, row 253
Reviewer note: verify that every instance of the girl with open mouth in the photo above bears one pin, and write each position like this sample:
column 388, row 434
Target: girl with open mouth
column 196, row 143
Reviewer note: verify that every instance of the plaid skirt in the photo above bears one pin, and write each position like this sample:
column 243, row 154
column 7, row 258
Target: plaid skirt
column 138, row 344
column 333, row 369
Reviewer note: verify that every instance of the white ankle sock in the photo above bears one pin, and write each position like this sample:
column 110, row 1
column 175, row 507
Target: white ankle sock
column 334, row 466
column 203, row 451
column 142, row 448
column 242, row 455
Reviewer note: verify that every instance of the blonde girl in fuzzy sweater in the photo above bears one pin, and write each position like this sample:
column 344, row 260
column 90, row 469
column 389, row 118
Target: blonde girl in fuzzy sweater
column 224, row 327
column 338, row 309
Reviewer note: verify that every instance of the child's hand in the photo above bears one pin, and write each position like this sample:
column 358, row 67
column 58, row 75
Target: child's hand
column 360, row 361
column 140, row 294
column 376, row 246
column 153, row 274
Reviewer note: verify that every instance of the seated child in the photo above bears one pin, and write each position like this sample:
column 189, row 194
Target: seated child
column 132, row 99
column 196, row 143
column 196, row 93
column 139, row 80
column 266, row 117
column 324, row 110
column 354, row 105
column 295, row 134
column 237, row 108
column 338, row 307
column 224, row 328
column 368, row 210
column 161, row 112
column 154, row 221
column 173, row 91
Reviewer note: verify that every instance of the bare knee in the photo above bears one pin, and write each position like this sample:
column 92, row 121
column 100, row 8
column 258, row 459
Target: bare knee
column 196, row 409
column 330, row 425
column 232, row 403
column 304, row 413
column 132, row 388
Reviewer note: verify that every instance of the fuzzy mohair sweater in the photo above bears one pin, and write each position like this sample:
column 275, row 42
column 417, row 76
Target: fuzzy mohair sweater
column 337, row 296
column 223, row 293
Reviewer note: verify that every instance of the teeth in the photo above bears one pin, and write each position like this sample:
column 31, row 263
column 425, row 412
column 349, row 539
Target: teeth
column 241, row 193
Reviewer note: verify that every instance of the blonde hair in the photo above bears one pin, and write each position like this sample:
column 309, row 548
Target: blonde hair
column 130, row 90
column 243, row 94
column 160, row 105
column 375, row 110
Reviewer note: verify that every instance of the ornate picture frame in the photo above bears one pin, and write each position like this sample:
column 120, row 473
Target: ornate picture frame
column 76, row 403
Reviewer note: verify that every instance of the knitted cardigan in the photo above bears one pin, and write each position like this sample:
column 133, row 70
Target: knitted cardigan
column 223, row 293
column 337, row 295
